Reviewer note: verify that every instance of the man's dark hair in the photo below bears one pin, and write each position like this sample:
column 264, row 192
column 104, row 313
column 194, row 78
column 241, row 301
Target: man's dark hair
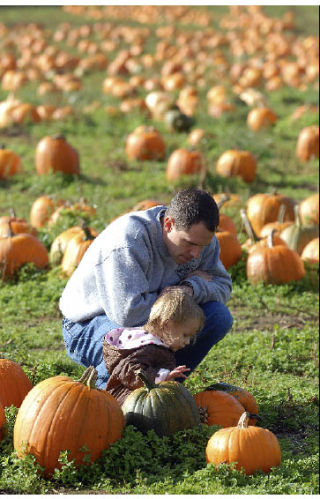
column 191, row 206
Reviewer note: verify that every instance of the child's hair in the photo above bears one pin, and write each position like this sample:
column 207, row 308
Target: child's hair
column 175, row 305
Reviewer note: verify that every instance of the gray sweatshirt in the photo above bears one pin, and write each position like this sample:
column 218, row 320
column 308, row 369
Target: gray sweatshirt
column 125, row 268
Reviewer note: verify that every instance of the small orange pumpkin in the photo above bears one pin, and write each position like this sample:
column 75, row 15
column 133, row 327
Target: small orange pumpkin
column 249, row 447
column 55, row 154
column 310, row 252
column 10, row 163
column 14, row 383
column 145, row 143
column 18, row 225
column 309, row 210
column 218, row 408
column 233, row 163
column 261, row 117
column 308, row 143
column 60, row 243
column 274, row 264
column 18, row 249
column 75, row 250
column 184, row 162
column 62, row 414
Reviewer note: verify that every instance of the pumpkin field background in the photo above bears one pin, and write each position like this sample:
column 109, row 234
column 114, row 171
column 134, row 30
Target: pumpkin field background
column 272, row 349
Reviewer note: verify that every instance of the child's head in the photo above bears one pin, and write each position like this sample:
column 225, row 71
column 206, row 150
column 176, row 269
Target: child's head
column 176, row 318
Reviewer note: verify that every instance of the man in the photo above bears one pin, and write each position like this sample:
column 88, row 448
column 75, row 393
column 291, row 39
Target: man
column 132, row 261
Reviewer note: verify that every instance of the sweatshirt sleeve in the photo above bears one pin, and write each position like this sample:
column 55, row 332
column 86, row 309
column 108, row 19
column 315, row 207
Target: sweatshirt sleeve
column 123, row 287
column 220, row 287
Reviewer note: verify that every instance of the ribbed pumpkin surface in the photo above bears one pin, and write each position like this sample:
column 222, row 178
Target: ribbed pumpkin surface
column 167, row 408
column 251, row 448
column 61, row 414
column 243, row 396
column 2, row 422
column 222, row 409
column 14, row 383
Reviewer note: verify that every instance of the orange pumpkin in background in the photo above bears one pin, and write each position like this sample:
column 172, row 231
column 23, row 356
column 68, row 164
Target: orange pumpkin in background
column 14, row 383
column 230, row 248
column 308, row 143
column 184, row 162
column 145, row 143
column 18, row 249
column 235, row 163
column 10, row 163
column 263, row 208
column 261, row 117
column 55, row 154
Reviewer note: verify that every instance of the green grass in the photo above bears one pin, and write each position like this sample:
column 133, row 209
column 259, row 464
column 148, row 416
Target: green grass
column 272, row 349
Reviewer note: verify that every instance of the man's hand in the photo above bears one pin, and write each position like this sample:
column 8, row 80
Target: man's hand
column 177, row 373
column 185, row 289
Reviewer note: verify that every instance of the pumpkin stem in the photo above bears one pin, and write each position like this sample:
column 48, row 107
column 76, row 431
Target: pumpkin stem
column 248, row 227
column 245, row 417
column 244, row 420
column 270, row 240
column 146, row 380
column 89, row 377
column 10, row 231
column 223, row 200
column 297, row 219
column 87, row 232
column 282, row 211
column 12, row 213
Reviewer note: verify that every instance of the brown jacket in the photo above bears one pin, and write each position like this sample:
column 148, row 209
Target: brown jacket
column 123, row 364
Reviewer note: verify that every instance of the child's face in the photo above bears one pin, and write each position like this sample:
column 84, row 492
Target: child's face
column 181, row 333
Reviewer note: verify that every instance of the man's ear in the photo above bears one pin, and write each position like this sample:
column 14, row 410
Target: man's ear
column 168, row 224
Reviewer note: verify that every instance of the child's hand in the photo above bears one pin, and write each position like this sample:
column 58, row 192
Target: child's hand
column 177, row 372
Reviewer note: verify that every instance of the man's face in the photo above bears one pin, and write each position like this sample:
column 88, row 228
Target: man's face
column 183, row 245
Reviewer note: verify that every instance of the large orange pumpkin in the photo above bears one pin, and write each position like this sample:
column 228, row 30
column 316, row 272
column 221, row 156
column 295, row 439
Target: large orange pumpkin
column 218, row 408
column 62, row 414
column 230, row 248
column 184, row 162
column 14, row 383
column 233, row 163
column 263, row 208
column 249, row 447
column 145, row 143
column 55, row 154
column 274, row 264
column 18, row 249
column 10, row 163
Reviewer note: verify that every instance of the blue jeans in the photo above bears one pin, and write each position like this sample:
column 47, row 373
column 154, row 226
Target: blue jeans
column 83, row 340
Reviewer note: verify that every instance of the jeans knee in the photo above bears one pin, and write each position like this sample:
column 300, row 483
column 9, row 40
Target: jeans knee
column 218, row 313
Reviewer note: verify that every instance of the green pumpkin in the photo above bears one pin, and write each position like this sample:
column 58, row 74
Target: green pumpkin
column 297, row 236
column 166, row 407
column 178, row 121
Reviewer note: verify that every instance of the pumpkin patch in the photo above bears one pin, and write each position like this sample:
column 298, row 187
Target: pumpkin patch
column 111, row 109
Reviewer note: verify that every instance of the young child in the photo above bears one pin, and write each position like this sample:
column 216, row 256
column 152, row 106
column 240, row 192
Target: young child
column 174, row 320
